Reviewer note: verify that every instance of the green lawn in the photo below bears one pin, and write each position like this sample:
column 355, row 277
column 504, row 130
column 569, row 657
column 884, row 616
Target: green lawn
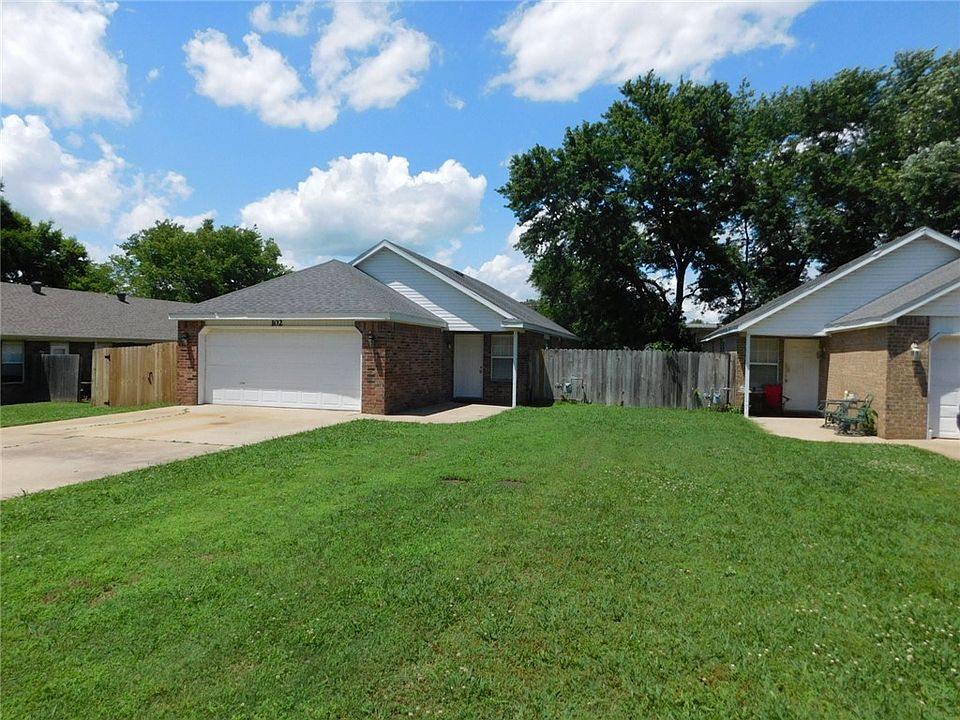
column 564, row 562
column 27, row 413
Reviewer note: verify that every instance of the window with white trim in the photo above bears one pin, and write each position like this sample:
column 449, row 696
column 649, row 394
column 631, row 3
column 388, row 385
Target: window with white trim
column 501, row 357
column 764, row 362
column 11, row 363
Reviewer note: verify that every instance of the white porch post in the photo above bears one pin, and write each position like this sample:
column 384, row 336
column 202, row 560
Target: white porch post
column 746, row 378
column 516, row 356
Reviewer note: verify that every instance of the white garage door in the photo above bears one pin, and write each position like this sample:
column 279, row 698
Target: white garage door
column 945, row 387
column 284, row 368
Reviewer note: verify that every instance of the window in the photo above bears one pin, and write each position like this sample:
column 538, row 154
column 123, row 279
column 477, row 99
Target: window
column 11, row 362
column 764, row 362
column 501, row 357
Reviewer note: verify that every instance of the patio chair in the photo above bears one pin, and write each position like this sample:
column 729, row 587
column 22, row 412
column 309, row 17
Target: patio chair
column 773, row 397
column 848, row 424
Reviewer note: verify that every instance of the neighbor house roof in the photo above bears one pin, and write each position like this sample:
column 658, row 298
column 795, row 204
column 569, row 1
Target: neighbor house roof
column 58, row 314
column 903, row 300
column 330, row 291
column 515, row 313
column 743, row 322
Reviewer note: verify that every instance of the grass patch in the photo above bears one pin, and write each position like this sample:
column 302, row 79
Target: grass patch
column 28, row 413
column 600, row 562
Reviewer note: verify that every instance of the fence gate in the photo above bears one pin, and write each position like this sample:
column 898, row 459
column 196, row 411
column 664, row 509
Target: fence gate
column 640, row 378
column 55, row 377
column 124, row 376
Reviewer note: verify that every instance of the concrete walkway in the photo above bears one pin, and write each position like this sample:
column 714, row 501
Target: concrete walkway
column 812, row 429
column 50, row 455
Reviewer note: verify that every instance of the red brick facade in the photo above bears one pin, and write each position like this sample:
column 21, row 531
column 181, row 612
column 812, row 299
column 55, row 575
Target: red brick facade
column 500, row 392
column 188, row 362
column 404, row 367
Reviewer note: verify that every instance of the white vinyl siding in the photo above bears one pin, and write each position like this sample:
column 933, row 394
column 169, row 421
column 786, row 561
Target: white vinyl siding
column 948, row 304
column 809, row 316
column 501, row 357
column 460, row 311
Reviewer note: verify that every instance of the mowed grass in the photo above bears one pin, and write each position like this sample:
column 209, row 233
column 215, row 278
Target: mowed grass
column 28, row 413
column 564, row 562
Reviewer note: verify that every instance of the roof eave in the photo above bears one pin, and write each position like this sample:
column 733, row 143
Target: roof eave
column 514, row 324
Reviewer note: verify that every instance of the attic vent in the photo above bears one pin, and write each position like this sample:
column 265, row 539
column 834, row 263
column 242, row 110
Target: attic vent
column 37, row 287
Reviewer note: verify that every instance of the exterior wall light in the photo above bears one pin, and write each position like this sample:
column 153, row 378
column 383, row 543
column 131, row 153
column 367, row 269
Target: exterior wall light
column 184, row 338
column 371, row 338
column 915, row 351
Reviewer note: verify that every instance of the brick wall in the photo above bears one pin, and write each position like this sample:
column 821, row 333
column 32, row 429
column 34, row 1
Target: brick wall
column 907, row 404
column 858, row 364
column 187, row 362
column 500, row 392
column 404, row 367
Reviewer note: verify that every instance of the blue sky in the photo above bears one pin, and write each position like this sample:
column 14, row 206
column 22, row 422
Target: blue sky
column 334, row 126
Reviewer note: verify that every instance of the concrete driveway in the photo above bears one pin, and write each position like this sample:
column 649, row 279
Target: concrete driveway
column 49, row 455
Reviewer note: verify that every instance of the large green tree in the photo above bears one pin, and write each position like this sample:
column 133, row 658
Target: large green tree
column 40, row 251
column 169, row 262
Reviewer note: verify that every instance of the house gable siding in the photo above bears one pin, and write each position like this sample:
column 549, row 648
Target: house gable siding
column 945, row 305
column 809, row 316
column 459, row 310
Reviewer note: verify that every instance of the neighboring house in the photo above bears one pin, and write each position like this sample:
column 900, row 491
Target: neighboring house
column 35, row 320
column 886, row 324
column 388, row 332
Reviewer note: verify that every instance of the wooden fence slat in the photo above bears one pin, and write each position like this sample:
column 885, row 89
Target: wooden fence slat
column 129, row 376
column 639, row 378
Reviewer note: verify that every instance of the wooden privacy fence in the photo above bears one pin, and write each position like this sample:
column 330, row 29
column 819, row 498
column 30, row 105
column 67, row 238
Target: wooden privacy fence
column 135, row 375
column 639, row 378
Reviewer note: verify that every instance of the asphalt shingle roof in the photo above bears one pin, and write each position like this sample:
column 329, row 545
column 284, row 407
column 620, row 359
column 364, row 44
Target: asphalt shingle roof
column 72, row 314
column 904, row 296
column 332, row 289
column 517, row 309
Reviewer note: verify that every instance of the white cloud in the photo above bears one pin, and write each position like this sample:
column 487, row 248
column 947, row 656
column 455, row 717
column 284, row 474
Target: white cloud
column 360, row 200
column 150, row 209
column 295, row 22
column 259, row 80
column 52, row 56
column 559, row 50
column 509, row 271
column 364, row 58
column 44, row 181
column 153, row 74
column 452, row 101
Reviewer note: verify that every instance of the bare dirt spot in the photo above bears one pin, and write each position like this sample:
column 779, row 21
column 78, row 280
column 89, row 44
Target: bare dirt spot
column 454, row 480
column 512, row 483
column 103, row 596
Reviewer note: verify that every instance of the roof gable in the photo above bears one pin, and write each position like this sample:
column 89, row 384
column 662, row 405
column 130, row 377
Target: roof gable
column 513, row 314
column 825, row 280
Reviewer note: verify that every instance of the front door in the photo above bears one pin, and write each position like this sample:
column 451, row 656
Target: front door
column 801, row 374
column 468, row 366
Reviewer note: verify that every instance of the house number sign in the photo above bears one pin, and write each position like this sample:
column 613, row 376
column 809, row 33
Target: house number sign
column 276, row 323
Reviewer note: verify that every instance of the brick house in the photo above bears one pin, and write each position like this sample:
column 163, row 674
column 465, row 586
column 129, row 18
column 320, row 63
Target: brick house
column 390, row 331
column 37, row 321
column 886, row 324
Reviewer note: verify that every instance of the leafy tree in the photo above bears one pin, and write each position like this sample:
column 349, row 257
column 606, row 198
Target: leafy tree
column 580, row 234
column 41, row 252
column 169, row 262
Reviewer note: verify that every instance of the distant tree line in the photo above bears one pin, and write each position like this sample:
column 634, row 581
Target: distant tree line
column 729, row 197
column 166, row 261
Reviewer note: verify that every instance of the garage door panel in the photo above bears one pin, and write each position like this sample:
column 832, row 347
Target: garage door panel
column 309, row 368
column 945, row 387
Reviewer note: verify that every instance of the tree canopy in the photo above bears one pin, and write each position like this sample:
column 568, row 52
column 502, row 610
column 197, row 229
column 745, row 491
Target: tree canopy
column 169, row 262
column 748, row 192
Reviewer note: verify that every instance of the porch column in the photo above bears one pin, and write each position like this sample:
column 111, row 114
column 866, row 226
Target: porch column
column 746, row 378
column 516, row 357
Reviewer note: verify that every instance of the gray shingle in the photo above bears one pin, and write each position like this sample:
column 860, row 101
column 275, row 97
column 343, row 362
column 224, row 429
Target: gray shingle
column 904, row 297
column 330, row 290
column 72, row 314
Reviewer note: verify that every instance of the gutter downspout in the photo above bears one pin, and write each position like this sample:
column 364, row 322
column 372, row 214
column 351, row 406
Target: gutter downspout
column 516, row 356
column 746, row 379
